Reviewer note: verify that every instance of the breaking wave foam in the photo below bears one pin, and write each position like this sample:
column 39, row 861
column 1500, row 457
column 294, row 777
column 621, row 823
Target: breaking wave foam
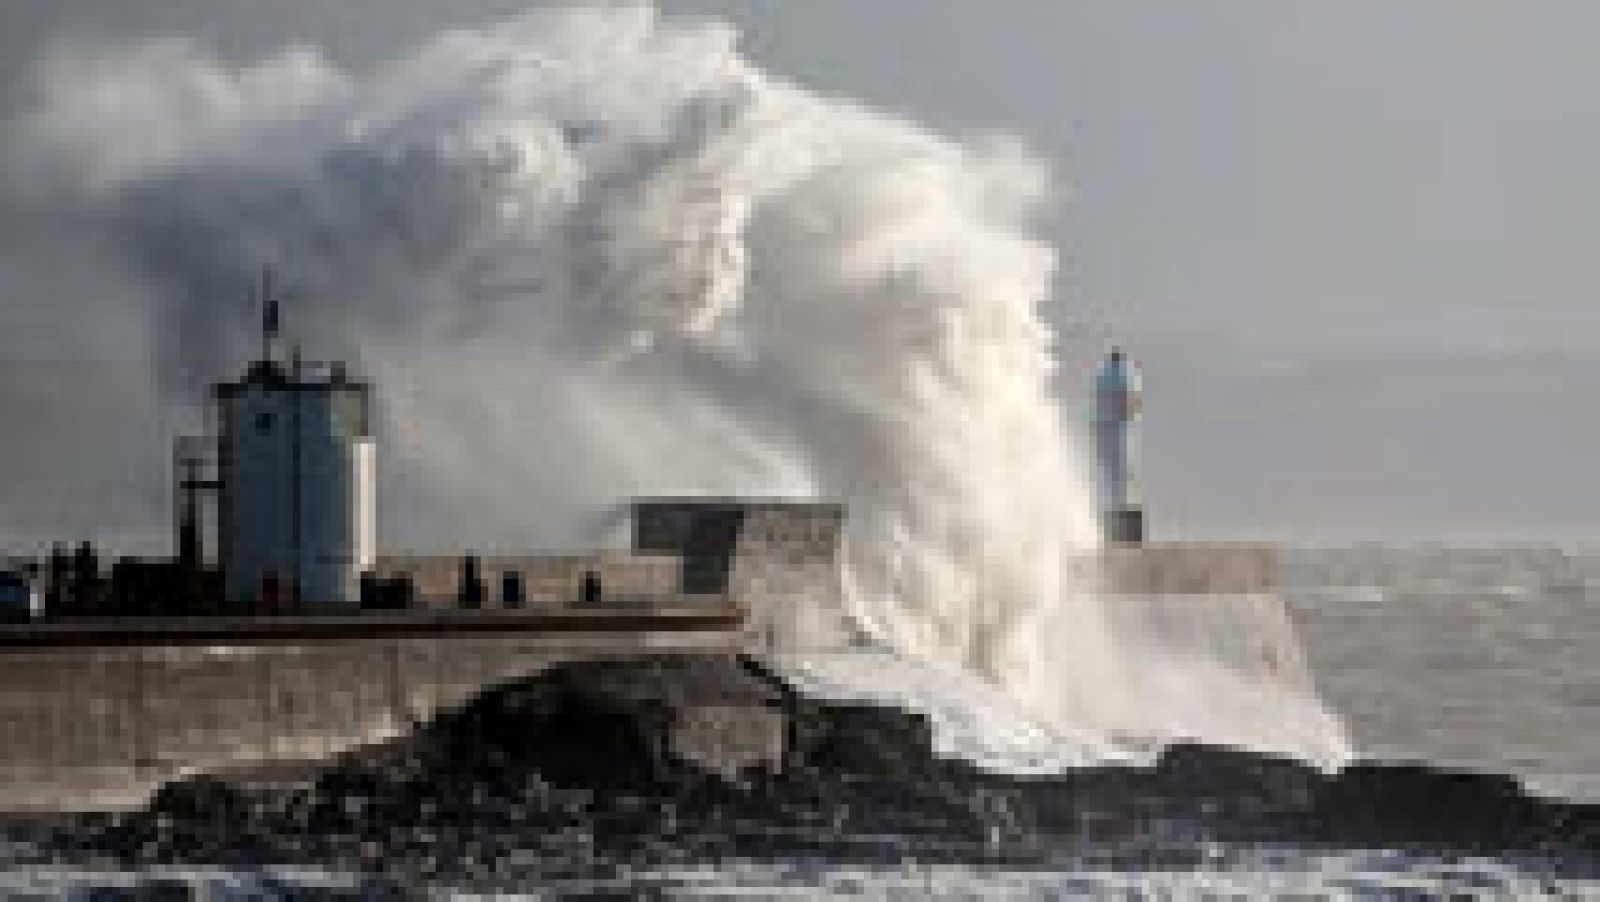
column 588, row 254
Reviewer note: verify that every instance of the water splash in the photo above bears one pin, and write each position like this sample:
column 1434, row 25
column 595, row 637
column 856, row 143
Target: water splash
column 589, row 254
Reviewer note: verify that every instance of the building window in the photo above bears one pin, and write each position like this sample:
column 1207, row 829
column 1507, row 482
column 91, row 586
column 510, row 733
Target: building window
column 263, row 422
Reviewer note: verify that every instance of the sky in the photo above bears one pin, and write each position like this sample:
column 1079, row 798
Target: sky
column 1352, row 243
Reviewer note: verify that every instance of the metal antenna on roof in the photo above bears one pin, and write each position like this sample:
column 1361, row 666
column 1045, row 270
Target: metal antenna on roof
column 270, row 321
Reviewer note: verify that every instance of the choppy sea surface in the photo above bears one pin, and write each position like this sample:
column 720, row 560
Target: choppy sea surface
column 1485, row 660
column 1221, row 874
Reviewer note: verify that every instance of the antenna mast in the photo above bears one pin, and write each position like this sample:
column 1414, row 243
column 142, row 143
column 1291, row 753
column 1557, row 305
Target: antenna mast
column 269, row 315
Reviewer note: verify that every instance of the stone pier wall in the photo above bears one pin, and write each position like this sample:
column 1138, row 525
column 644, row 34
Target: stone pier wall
column 101, row 727
column 1216, row 602
column 97, row 728
column 779, row 559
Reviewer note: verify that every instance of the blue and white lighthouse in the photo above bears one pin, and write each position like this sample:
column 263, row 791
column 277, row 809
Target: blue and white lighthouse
column 1116, row 408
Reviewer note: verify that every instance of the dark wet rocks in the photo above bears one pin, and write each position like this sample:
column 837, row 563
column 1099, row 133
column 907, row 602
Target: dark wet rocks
column 593, row 765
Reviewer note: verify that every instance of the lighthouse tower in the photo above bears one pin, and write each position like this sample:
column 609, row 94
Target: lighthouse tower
column 296, row 510
column 1116, row 408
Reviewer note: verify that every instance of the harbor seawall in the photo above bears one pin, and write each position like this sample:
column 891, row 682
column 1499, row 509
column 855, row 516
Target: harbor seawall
column 101, row 728
column 101, row 725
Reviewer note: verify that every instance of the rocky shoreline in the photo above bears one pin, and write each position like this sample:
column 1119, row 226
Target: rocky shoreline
column 564, row 774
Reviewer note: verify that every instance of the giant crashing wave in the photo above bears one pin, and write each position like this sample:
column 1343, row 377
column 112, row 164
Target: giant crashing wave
column 589, row 254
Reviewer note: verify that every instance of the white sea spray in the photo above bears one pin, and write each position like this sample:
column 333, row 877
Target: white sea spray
column 588, row 254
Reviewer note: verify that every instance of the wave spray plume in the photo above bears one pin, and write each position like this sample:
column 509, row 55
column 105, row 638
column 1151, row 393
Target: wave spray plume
column 595, row 253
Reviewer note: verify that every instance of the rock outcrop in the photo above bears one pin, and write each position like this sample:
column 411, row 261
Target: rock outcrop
column 602, row 763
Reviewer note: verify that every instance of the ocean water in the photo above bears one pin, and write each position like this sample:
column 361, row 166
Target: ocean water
column 1219, row 873
column 1485, row 659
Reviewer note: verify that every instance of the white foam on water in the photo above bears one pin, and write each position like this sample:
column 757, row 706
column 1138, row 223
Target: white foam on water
column 1220, row 872
column 971, row 718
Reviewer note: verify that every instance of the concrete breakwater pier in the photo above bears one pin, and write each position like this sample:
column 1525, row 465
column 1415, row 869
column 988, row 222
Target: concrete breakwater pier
column 96, row 714
column 101, row 727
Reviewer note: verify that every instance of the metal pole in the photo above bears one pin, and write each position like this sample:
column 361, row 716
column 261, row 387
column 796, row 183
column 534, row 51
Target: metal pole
column 295, row 397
